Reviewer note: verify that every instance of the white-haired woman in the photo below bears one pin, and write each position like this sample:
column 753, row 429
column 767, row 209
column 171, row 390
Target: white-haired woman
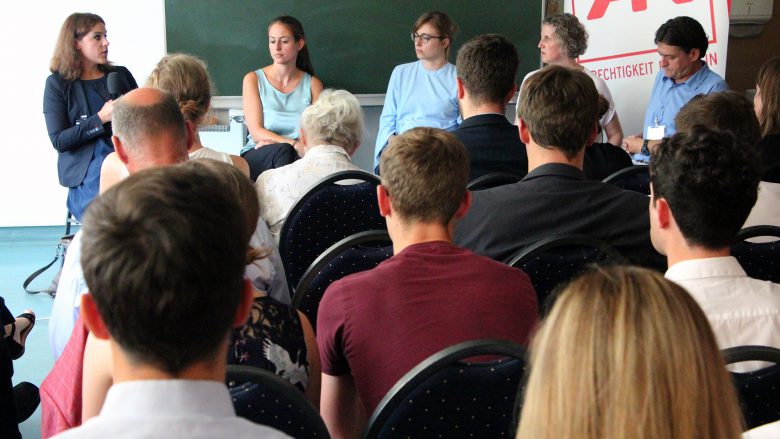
column 329, row 136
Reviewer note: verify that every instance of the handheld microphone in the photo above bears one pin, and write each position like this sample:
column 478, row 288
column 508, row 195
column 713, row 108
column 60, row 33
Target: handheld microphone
column 113, row 85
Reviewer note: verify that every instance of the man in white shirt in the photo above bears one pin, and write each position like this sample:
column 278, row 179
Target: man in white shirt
column 703, row 185
column 165, row 303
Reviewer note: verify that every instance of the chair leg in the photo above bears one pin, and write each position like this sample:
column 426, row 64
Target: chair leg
column 67, row 223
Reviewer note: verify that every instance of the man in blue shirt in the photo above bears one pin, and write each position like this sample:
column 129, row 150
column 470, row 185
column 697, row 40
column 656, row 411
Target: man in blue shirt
column 682, row 44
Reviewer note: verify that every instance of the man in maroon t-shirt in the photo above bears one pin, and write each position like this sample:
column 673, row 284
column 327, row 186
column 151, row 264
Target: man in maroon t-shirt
column 375, row 326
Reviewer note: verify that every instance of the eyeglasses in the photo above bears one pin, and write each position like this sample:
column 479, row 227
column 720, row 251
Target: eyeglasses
column 424, row 37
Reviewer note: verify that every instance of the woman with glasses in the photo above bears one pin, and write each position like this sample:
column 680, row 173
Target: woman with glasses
column 422, row 93
column 274, row 97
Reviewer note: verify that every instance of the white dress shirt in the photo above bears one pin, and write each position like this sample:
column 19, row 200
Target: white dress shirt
column 766, row 211
column 741, row 310
column 766, row 431
column 278, row 189
column 65, row 309
column 169, row 409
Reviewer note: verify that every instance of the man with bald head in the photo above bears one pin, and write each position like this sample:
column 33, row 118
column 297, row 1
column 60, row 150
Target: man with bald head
column 149, row 131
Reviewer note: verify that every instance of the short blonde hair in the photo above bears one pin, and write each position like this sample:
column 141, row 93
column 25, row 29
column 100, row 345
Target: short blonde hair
column 626, row 353
column 335, row 119
column 187, row 79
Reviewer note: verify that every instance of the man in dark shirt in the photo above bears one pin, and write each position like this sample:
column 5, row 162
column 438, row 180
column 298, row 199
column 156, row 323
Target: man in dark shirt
column 374, row 327
column 558, row 117
column 487, row 66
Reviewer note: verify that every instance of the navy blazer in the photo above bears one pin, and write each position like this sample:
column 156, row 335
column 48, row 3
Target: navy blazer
column 72, row 130
column 494, row 145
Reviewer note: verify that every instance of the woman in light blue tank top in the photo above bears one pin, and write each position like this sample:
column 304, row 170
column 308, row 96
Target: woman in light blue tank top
column 275, row 96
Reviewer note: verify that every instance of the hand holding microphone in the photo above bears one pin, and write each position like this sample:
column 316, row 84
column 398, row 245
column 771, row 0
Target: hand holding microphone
column 114, row 91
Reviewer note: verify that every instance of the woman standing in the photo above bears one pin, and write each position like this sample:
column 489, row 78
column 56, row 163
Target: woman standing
column 78, row 107
column 564, row 39
column 275, row 96
column 424, row 92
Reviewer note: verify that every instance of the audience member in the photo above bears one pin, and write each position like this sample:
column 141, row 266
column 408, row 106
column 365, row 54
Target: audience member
column 682, row 44
column 563, row 40
column 767, row 107
column 330, row 134
column 625, row 353
column 149, row 131
column 487, row 66
column 558, row 117
column 275, row 95
column 17, row 403
column 703, row 185
column 604, row 159
column 375, row 326
column 166, row 305
column 422, row 93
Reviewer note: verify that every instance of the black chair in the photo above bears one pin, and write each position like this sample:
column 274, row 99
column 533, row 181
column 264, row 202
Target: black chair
column 445, row 396
column 558, row 259
column 359, row 252
column 263, row 398
column 760, row 260
column 635, row 178
column 327, row 213
column 494, row 179
column 758, row 391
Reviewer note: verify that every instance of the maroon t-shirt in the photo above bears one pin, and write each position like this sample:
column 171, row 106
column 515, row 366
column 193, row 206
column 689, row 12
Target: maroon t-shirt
column 379, row 324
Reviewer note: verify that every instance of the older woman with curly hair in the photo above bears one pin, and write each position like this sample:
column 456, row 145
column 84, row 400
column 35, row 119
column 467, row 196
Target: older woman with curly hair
column 563, row 39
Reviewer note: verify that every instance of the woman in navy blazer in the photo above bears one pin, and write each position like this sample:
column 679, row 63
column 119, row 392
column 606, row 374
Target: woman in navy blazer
column 78, row 108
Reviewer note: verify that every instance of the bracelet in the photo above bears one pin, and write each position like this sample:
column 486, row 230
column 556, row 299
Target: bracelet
column 645, row 149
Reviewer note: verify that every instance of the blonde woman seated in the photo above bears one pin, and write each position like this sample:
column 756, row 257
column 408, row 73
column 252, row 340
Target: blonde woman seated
column 275, row 337
column 329, row 135
column 625, row 353
column 186, row 78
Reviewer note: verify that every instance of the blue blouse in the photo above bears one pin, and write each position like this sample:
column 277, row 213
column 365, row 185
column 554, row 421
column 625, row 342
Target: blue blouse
column 417, row 97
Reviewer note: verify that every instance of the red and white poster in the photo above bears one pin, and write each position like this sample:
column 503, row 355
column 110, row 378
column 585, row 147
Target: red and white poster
column 621, row 49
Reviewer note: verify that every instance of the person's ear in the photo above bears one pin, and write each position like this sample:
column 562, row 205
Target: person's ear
column 245, row 305
column 511, row 94
column 92, row 319
column 662, row 212
column 464, row 207
column 383, row 199
column 525, row 135
column 120, row 149
column 300, row 43
column 461, row 88
column 694, row 55
column 445, row 42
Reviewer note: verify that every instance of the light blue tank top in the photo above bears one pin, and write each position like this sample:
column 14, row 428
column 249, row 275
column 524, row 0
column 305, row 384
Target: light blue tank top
column 282, row 111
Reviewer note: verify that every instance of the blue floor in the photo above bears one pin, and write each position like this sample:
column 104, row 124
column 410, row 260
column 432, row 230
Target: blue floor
column 22, row 251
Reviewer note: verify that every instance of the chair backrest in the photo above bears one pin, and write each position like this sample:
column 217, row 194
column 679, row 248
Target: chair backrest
column 327, row 213
column 359, row 252
column 445, row 396
column 635, row 178
column 263, row 398
column 760, row 260
column 558, row 259
column 758, row 391
column 494, row 179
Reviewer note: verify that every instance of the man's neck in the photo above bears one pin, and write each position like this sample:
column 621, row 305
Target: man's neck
column 404, row 235
column 126, row 369
column 538, row 156
column 684, row 252
column 469, row 109
column 696, row 67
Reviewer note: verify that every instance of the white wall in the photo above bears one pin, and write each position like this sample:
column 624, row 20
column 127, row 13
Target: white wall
column 30, row 194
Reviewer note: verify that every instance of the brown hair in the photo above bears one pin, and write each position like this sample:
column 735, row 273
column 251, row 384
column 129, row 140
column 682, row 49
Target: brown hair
column 725, row 110
column 303, row 60
column 768, row 80
column 560, row 106
column 425, row 171
column 626, row 353
column 487, row 65
column 443, row 23
column 66, row 59
column 186, row 78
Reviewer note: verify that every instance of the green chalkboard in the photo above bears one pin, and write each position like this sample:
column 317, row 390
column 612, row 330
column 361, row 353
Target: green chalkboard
column 354, row 44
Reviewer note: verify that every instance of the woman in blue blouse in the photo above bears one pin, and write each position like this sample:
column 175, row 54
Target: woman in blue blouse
column 78, row 107
column 275, row 96
column 422, row 93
